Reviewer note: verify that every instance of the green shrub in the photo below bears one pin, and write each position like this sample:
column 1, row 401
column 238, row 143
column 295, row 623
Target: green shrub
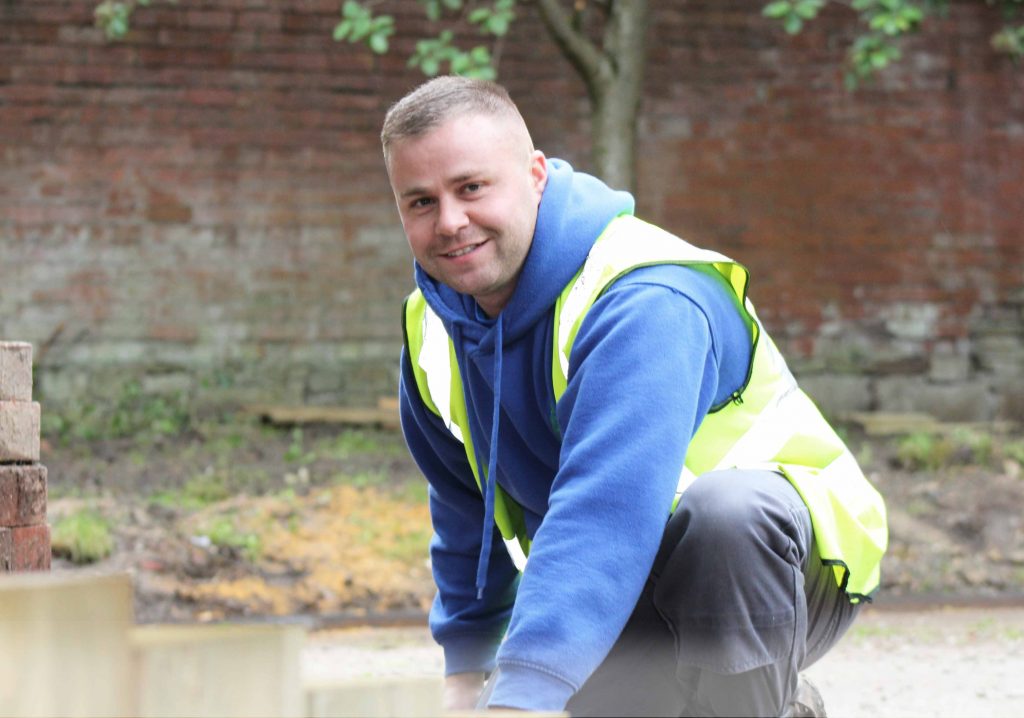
column 923, row 450
column 82, row 537
column 223, row 533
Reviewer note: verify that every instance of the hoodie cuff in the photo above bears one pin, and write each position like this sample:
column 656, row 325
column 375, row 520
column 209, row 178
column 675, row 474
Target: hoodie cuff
column 526, row 688
column 469, row 654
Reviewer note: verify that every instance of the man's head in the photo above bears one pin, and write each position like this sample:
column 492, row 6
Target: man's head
column 468, row 183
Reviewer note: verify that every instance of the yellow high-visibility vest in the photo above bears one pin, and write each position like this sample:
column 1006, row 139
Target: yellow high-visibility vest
column 768, row 424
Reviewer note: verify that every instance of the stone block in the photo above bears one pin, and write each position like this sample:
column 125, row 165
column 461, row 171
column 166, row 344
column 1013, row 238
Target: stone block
column 220, row 670
column 949, row 368
column 22, row 494
column 25, row 548
column 962, row 401
column 19, row 431
column 15, row 371
column 837, row 394
column 381, row 698
column 64, row 642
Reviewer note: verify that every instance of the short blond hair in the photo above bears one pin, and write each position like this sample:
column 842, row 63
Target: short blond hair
column 438, row 100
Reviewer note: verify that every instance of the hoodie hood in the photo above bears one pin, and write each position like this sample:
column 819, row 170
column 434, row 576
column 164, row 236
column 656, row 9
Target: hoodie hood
column 574, row 210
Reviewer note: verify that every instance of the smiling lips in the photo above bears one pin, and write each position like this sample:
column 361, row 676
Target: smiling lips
column 463, row 251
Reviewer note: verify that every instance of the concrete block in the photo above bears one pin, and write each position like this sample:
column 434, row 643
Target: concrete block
column 64, row 645
column 15, row 371
column 19, row 431
column 25, row 548
column 963, row 401
column 376, row 698
column 836, row 394
column 22, row 494
column 218, row 670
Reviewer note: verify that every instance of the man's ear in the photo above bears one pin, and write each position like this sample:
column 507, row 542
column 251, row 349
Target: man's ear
column 539, row 172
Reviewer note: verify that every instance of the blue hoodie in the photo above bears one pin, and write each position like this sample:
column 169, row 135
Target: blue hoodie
column 595, row 474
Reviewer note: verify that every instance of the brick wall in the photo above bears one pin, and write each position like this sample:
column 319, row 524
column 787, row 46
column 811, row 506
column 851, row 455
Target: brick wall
column 204, row 206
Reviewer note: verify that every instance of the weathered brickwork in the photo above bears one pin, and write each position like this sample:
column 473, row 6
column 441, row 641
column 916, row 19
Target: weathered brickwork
column 24, row 535
column 204, row 205
column 22, row 495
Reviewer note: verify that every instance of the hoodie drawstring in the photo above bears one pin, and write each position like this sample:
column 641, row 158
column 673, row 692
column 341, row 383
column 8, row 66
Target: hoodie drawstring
column 489, row 481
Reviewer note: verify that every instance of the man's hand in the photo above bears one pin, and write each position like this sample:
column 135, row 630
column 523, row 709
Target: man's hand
column 462, row 690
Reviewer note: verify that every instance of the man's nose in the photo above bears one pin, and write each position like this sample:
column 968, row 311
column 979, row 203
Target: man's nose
column 451, row 217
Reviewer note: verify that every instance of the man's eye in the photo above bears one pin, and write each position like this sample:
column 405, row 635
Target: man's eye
column 420, row 202
column 472, row 187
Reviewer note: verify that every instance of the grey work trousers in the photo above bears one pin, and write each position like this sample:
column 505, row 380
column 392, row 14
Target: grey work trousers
column 736, row 605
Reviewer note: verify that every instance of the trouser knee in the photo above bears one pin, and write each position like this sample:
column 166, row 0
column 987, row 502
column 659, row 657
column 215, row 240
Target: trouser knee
column 730, row 522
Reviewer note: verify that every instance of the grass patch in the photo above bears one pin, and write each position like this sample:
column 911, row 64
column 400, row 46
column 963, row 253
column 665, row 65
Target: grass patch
column 83, row 537
column 960, row 447
column 224, row 533
column 132, row 413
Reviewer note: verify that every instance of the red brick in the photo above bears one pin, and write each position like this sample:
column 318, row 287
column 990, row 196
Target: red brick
column 25, row 549
column 30, row 548
column 22, row 495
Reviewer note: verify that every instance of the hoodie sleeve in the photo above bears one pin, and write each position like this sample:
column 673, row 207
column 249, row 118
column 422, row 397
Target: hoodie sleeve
column 644, row 371
column 468, row 630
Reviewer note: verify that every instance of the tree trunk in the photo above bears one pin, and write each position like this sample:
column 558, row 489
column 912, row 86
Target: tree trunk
column 614, row 76
column 615, row 96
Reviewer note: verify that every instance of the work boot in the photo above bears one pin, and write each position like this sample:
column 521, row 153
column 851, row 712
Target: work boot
column 806, row 702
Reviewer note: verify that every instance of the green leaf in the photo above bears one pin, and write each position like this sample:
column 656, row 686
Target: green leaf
column 360, row 28
column 497, row 25
column 118, row 27
column 777, row 9
column 433, row 9
column 430, row 67
column 342, row 29
column 793, row 24
column 352, row 9
column 452, row 4
column 807, row 9
column 379, row 43
column 479, row 15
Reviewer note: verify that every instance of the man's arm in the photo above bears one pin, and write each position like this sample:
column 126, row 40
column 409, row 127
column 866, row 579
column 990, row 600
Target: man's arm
column 469, row 630
column 644, row 371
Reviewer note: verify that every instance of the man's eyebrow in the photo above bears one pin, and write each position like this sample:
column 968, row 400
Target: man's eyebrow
column 457, row 179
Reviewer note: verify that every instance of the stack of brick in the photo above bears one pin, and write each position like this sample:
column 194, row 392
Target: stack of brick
column 24, row 534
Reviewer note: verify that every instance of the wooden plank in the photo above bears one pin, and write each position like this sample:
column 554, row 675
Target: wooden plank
column 895, row 424
column 384, row 417
column 64, row 645
column 218, row 670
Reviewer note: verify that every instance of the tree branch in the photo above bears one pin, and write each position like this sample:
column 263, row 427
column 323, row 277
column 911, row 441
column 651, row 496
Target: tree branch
column 585, row 56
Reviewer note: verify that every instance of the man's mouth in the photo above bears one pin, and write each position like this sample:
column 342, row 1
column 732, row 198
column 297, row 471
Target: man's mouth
column 462, row 251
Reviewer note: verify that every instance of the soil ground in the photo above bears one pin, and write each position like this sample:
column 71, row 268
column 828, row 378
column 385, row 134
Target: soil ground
column 227, row 518
column 955, row 663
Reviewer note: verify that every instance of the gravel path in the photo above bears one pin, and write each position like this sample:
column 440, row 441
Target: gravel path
column 959, row 663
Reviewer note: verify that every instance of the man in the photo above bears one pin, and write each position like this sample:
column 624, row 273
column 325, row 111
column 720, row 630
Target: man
column 600, row 394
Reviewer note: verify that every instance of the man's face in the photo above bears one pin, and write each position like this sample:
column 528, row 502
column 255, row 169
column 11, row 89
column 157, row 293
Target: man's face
column 468, row 192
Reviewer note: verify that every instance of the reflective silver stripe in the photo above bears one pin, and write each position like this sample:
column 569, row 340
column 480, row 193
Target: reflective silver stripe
column 615, row 251
column 515, row 552
column 435, row 361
